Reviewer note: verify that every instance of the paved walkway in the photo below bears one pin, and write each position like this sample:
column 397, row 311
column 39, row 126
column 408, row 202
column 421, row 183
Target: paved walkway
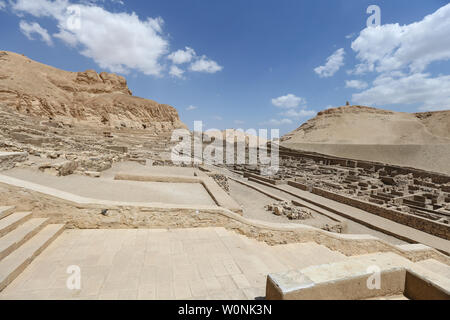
column 205, row 263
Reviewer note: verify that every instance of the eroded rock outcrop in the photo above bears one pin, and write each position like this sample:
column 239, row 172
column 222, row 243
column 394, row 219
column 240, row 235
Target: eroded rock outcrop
column 39, row 90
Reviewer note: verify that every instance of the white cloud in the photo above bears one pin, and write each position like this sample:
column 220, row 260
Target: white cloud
column 400, row 55
column 204, row 64
column 199, row 64
column 2, row 5
column 334, row 63
column 176, row 72
column 276, row 122
column 28, row 29
column 41, row 8
column 349, row 36
column 191, row 108
column 297, row 114
column 239, row 122
column 288, row 101
column 356, row 84
column 182, row 56
column 393, row 47
column 419, row 88
column 116, row 41
column 218, row 118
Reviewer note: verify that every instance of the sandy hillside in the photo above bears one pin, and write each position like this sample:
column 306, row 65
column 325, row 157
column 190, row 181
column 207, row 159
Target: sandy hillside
column 40, row 90
column 419, row 140
column 365, row 125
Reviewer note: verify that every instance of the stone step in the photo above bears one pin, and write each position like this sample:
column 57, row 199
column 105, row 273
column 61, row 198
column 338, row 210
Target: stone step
column 314, row 254
column 436, row 267
column 301, row 255
column 13, row 221
column 285, row 257
column 19, row 236
column 252, row 243
column 6, row 211
column 17, row 261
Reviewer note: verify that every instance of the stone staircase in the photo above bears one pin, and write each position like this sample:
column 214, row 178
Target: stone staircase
column 289, row 256
column 22, row 238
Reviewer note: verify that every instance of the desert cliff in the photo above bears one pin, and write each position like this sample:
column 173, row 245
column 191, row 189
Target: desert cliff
column 87, row 97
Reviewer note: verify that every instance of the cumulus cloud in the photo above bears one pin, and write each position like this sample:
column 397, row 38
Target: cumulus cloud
column 419, row 88
column 349, row 36
column 203, row 64
column 392, row 47
column 356, row 84
column 182, row 56
column 176, row 72
column 191, row 108
column 400, row 55
column 198, row 64
column 334, row 63
column 276, row 122
column 297, row 114
column 288, row 101
column 28, row 29
column 291, row 103
column 117, row 41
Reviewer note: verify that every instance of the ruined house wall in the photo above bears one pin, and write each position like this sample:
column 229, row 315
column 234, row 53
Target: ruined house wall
column 435, row 228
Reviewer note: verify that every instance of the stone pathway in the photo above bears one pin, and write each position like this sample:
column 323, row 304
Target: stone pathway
column 205, row 263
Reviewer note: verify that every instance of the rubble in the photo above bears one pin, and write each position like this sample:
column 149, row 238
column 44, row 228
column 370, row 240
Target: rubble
column 286, row 208
column 62, row 169
column 222, row 181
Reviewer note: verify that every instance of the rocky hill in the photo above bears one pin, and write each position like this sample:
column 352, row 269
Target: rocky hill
column 366, row 125
column 86, row 97
column 419, row 140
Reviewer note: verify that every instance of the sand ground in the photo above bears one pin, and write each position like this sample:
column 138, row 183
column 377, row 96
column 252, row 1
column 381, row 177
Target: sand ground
column 253, row 203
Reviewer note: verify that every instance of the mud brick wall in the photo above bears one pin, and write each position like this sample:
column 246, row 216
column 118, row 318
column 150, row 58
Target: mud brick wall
column 268, row 180
column 298, row 185
column 435, row 228
column 8, row 161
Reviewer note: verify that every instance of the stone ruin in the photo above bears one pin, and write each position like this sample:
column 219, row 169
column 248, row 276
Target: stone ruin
column 286, row 208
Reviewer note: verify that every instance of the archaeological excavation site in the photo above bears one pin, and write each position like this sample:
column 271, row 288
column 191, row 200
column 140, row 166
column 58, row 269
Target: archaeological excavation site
column 224, row 159
column 91, row 184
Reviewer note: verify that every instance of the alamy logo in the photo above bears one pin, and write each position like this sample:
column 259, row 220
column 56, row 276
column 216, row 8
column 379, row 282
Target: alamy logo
column 374, row 280
column 74, row 18
column 375, row 19
column 230, row 147
column 74, row 280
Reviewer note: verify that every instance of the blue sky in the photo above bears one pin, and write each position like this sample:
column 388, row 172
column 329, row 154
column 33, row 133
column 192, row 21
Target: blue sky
column 250, row 63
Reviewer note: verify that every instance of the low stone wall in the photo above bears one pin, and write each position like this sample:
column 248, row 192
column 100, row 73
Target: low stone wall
column 435, row 228
column 84, row 216
column 268, row 180
column 8, row 160
column 298, row 185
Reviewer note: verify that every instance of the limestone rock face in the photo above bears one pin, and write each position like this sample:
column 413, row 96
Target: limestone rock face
column 88, row 97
